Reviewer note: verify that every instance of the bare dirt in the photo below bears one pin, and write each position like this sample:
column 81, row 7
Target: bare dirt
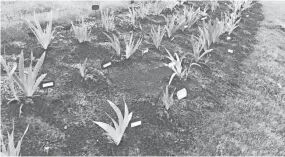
column 225, row 112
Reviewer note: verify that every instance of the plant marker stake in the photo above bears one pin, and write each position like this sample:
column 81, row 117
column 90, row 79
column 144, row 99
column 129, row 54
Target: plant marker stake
column 106, row 65
column 172, row 39
column 145, row 51
column 95, row 7
column 204, row 18
column 181, row 94
column 228, row 38
column 247, row 15
column 134, row 124
column 46, row 85
column 230, row 51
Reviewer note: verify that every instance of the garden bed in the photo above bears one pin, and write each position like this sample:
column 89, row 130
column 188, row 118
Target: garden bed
column 60, row 118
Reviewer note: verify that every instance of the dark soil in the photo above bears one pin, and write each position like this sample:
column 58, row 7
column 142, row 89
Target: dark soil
column 60, row 119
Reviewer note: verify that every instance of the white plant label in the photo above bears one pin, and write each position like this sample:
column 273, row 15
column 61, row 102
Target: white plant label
column 247, row 15
column 145, row 51
column 107, row 64
column 134, row 124
column 230, row 51
column 204, row 18
column 228, row 38
column 172, row 39
column 186, row 26
column 49, row 84
column 181, row 94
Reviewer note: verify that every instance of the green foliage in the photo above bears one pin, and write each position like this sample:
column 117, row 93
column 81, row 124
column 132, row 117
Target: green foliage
column 198, row 46
column 115, row 43
column 214, row 4
column 231, row 22
column 246, row 4
column 11, row 150
column 211, row 32
column 131, row 47
column 107, row 18
column 116, row 133
column 44, row 36
column 10, row 73
column 174, row 23
column 83, row 69
column 144, row 9
column 81, row 32
column 191, row 16
column 176, row 66
column 157, row 36
column 157, row 7
column 167, row 98
column 133, row 16
column 29, row 83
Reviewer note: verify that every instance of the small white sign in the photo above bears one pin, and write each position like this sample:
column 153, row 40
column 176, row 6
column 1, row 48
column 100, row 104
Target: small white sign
column 247, row 15
column 228, row 38
column 186, row 26
column 134, row 124
column 172, row 39
column 145, row 51
column 49, row 84
column 204, row 18
column 181, row 94
column 230, row 51
column 107, row 64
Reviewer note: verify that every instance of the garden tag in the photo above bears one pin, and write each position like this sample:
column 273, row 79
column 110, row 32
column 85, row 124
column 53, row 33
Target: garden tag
column 105, row 65
column 228, row 38
column 95, row 7
column 145, row 51
column 134, row 124
column 230, row 51
column 247, row 15
column 181, row 94
column 46, row 84
column 204, row 18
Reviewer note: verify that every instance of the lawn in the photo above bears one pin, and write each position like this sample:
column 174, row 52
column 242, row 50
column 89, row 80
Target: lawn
column 235, row 96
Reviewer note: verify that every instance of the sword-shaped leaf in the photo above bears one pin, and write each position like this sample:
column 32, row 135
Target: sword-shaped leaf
column 116, row 133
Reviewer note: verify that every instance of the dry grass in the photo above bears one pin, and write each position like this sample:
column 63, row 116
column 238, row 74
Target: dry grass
column 253, row 121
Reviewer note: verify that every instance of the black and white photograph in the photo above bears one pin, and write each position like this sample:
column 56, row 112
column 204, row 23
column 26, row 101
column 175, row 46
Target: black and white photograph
column 142, row 78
